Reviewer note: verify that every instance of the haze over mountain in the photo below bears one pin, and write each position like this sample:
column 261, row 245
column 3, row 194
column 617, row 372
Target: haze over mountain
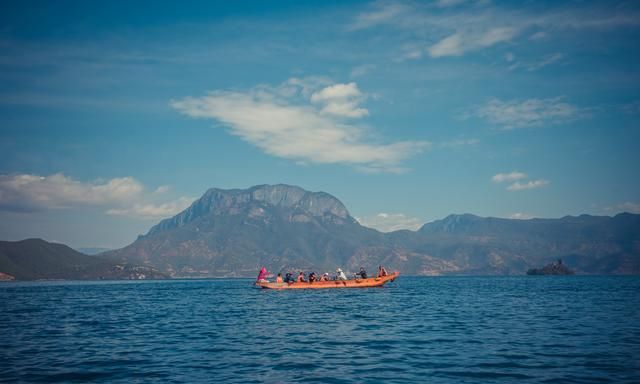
column 234, row 232
column 588, row 244
column 92, row 250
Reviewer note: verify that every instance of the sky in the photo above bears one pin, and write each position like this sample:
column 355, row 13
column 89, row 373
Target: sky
column 114, row 115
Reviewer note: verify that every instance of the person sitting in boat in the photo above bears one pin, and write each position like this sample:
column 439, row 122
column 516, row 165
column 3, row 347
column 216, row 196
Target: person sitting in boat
column 301, row 278
column 340, row 275
column 279, row 278
column 362, row 273
column 382, row 271
column 324, row 277
column 312, row 277
column 288, row 278
column 262, row 275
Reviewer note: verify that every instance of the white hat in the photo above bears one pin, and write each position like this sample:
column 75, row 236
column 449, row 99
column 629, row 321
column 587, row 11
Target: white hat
column 338, row 270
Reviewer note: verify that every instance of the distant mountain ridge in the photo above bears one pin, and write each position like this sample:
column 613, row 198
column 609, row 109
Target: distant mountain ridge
column 234, row 232
column 36, row 259
column 588, row 244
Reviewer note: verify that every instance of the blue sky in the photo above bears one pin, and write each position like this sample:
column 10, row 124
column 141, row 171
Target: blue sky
column 114, row 115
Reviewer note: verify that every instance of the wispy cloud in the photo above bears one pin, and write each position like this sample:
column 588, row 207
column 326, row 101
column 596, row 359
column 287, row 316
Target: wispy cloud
column 627, row 206
column 533, row 184
column 457, row 143
column 449, row 3
column 528, row 113
column 631, row 108
column 389, row 222
column 548, row 60
column 512, row 176
column 362, row 70
column 153, row 211
column 161, row 189
column 462, row 42
column 304, row 122
column 536, row 65
column 381, row 12
column 31, row 193
column 515, row 178
column 447, row 28
column 521, row 216
column 538, row 36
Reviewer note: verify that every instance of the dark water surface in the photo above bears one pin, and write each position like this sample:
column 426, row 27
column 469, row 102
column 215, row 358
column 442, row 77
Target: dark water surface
column 438, row 330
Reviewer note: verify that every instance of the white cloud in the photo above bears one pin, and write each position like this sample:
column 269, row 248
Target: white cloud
column 449, row 46
column 362, row 70
column 382, row 13
column 459, row 42
column 300, row 127
column 451, row 30
column 534, row 66
column 521, row 216
column 513, row 176
column 494, row 36
column 627, row 206
column 528, row 113
column 153, row 211
column 518, row 186
column 304, row 86
column 341, row 100
column 458, row 143
column 389, row 222
column 456, row 31
column 449, row 3
column 539, row 36
column 336, row 92
column 30, row 193
column 161, row 189
column 550, row 59
column 410, row 52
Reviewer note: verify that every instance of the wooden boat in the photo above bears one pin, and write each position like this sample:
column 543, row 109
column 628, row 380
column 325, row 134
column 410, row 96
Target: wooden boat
column 355, row 283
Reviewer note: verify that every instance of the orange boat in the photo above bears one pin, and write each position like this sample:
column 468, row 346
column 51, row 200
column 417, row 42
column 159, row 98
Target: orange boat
column 355, row 283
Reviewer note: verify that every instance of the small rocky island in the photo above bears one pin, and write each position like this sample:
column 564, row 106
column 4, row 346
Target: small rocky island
column 555, row 268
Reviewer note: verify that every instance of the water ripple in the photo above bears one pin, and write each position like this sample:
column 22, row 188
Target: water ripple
column 441, row 330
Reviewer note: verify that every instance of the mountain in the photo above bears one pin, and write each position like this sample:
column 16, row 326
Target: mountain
column 35, row 259
column 234, row 232
column 588, row 244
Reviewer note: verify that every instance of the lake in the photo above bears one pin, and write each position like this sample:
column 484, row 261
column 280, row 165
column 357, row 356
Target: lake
column 537, row 329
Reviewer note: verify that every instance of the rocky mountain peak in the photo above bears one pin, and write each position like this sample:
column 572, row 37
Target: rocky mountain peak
column 451, row 223
column 281, row 196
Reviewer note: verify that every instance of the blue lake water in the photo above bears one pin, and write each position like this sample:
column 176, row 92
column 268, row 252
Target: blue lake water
column 534, row 329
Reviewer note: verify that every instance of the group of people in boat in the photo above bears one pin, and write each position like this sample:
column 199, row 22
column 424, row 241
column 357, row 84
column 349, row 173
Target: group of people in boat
column 302, row 278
